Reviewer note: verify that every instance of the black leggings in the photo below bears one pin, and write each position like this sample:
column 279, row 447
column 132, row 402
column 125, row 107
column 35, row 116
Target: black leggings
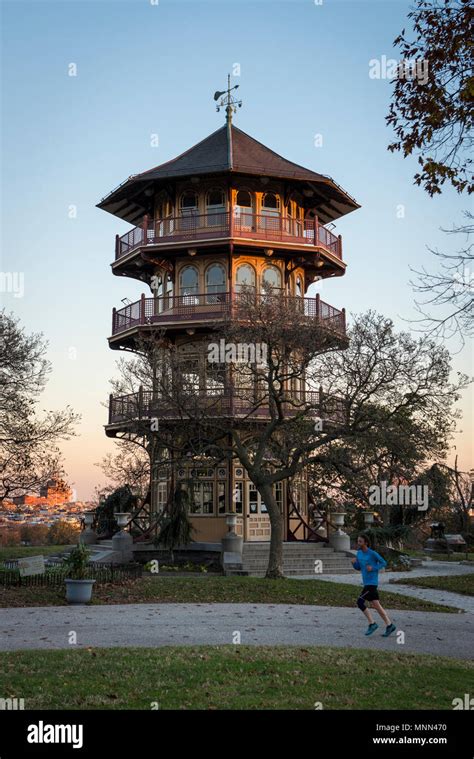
column 369, row 593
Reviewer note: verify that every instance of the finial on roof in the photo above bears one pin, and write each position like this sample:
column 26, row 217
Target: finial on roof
column 228, row 101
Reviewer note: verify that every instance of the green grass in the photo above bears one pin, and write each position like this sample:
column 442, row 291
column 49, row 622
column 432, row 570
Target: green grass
column 233, row 677
column 19, row 552
column 458, row 556
column 451, row 557
column 212, row 589
column 463, row 584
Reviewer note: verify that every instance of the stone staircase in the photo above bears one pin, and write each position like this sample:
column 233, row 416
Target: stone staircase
column 298, row 559
column 102, row 552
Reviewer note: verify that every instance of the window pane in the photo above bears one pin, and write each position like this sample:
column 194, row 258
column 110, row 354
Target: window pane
column 221, row 497
column 245, row 277
column 189, row 280
column 215, row 198
column 215, row 278
column 270, row 201
column 238, row 497
column 189, row 200
column 244, row 199
column 272, row 277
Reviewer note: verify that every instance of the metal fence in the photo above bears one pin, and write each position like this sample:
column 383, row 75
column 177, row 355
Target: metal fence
column 56, row 573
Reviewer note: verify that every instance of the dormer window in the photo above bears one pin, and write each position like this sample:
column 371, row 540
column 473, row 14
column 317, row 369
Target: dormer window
column 215, row 207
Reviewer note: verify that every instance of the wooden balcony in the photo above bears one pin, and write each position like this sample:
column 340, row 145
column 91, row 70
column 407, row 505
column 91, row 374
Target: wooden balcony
column 202, row 308
column 221, row 226
column 131, row 410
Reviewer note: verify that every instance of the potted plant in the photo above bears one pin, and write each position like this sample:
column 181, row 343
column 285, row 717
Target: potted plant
column 78, row 587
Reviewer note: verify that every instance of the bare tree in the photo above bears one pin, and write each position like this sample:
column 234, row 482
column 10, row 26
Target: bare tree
column 385, row 394
column 130, row 465
column 448, row 294
column 461, row 493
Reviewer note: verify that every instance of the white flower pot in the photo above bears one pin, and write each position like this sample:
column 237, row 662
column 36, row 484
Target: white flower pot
column 78, row 591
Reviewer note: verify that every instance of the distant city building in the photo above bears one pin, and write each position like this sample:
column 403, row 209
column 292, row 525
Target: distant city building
column 54, row 493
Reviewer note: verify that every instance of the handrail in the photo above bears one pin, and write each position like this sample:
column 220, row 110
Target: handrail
column 221, row 224
column 145, row 404
column 199, row 306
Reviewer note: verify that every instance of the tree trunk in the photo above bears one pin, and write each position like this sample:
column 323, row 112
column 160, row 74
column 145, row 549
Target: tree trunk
column 275, row 560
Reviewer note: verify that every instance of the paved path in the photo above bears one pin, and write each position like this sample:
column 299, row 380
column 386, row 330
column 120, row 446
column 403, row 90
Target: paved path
column 429, row 569
column 157, row 625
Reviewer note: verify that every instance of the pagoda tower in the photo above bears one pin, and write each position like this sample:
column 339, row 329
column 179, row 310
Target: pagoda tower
column 226, row 215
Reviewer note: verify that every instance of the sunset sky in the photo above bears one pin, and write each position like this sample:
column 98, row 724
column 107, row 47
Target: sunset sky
column 146, row 69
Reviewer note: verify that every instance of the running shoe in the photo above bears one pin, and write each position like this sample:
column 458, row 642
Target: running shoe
column 371, row 628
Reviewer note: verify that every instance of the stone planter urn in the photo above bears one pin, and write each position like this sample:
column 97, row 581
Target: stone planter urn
column 122, row 541
column 231, row 541
column 88, row 536
column 122, row 518
column 339, row 540
column 338, row 519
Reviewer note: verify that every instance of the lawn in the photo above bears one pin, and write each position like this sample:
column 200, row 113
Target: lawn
column 232, row 677
column 463, row 584
column 216, row 589
column 453, row 556
column 18, row 552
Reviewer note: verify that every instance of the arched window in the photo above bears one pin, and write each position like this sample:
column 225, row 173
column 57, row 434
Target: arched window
column 271, row 211
column 189, row 209
column 272, row 277
column 244, row 210
column 189, row 202
column 245, row 277
column 244, row 199
column 189, row 284
column 215, row 207
column 215, row 283
column 299, row 287
column 271, row 202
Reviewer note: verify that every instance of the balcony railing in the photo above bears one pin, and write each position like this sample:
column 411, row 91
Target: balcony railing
column 213, row 306
column 209, row 403
column 210, row 226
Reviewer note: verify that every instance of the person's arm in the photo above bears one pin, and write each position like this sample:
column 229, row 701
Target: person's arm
column 355, row 564
column 380, row 562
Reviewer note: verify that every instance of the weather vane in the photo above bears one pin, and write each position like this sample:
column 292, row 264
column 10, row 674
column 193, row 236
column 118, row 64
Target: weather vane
column 227, row 100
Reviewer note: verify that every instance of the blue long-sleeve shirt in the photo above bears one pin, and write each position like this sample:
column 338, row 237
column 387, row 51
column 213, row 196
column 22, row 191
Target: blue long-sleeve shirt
column 373, row 559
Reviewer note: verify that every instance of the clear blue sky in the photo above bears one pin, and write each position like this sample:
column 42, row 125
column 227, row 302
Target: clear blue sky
column 146, row 69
